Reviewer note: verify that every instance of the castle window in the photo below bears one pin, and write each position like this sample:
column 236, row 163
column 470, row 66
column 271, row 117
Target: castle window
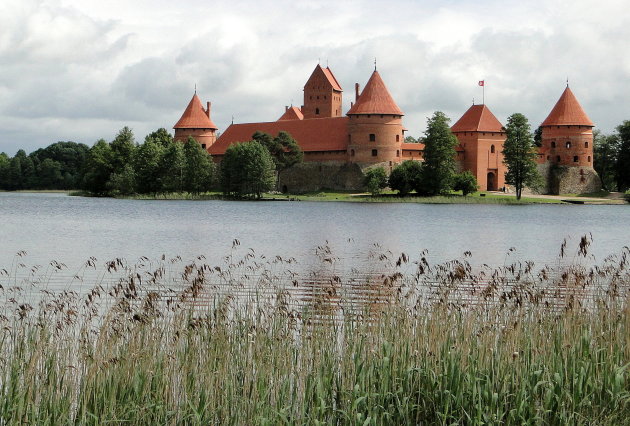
column 558, row 158
column 318, row 97
column 324, row 96
column 397, row 153
column 568, row 144
column 553, row 144
column 368, row 115
column 372, row 137
column 585, row 144
column 492, row 149
column 397, row 138
column 381, row 115
column 203, row 145
column 317, row 110
column 589, row 158
column 548, row 157
column 575, row 158
column 352, row 152
column 374, row 152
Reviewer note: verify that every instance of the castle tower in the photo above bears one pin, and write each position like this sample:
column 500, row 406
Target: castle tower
column 567, row 141
column 196, row 122
column 322, row 95
column 481, row 136
column 375, row 125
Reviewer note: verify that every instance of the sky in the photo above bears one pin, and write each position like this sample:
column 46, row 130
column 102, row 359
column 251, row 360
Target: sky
column 80, row 70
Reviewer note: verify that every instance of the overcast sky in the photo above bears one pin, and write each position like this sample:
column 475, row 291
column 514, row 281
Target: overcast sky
column 82, row 69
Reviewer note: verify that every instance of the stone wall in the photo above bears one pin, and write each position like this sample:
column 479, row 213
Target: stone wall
column 309, row 177
column 573, row 180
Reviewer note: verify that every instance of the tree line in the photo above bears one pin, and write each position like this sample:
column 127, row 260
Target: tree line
column 611, row 155
column 158, row 165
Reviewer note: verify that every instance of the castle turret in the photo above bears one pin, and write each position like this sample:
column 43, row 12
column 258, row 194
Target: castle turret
column 481, row 136
column 196, row 122
column 567, row 140
column 375, row 125
column 322, row 95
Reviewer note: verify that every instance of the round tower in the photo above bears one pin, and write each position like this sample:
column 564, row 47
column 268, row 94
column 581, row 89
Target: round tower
column 375, row 129
column 567, row 147
column 195, row 122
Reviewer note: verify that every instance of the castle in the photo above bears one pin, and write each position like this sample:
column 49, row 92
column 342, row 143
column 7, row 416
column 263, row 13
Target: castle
column 337, row 148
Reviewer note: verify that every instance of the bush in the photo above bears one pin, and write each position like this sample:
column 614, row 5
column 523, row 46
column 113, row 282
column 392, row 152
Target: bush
column 375, row 180
column 406, row 177
column 466, row 182
column 627, row 195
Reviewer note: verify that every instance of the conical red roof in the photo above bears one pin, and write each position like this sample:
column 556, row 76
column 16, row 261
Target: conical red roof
column 375, row 99
column 478, row 118
column 292, row 113
column 195, row 117
column 567, row 112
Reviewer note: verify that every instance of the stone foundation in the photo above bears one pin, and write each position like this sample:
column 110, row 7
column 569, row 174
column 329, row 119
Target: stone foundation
column 573, row 180
column 310, row 177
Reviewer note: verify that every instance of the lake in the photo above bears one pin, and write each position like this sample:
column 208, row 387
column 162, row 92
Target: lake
column 71, row 229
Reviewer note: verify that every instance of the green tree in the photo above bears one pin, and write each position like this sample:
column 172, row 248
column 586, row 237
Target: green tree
column 199, row 169
column 538, row 137
column 5, row 162
column 14, row 174
column 49, row 174
column 123, row 147
column 172, row 168
column 375, row 180
column 247, row 169
column 70, row 156
column 284, row 150
column 98, row 168
column 519, row 155
column 439, row 156
column 410, row 139
column 160, row 136
column 148, row 167
column 605, row 151
column 122, row 182
column 406, row 177
column 466, row 182
column 623, row 157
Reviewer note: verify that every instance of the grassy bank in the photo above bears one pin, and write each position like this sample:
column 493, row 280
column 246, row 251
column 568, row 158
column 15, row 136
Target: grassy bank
column 431, row 344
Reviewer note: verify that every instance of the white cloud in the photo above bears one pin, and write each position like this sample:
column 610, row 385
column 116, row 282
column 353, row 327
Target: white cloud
column 81, row 70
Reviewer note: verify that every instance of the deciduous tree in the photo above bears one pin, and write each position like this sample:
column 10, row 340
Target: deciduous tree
column 406, row 177
column 519, row 155
column 375, row 180
column 605, row 151
column 439, row 156
column 247, row 169
column 623, row 157
column 466, row 182
column 198, row 168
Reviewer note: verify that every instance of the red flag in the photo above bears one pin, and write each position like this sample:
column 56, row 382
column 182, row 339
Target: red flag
column 481, row 82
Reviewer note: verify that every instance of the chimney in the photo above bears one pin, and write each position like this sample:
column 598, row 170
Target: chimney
column 356, row 92
column 286, row 108
column 351, row 104
column 208, row 109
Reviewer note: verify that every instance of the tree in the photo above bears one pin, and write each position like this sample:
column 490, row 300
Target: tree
column 69, row 155
column 465, row 182
column 198, row 170
column 172, row 168
column 439, row 156
column 247, row 169
column 538, row 137
column 49, row 174
column 284, row 150
column 605, row 151
column 411, row 139
column 4, row 170
column 160, row 136
column 123, row 147
column 406, row 177
column 147, row 166
column 623, row 158
column 98, row 168
column 519, row 155
column 375, row 180
column 122, row 182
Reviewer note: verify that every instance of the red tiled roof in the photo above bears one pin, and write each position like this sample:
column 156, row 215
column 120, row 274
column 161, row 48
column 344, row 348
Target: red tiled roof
column 195, row 117
column 375, row 99
column 292, row 113
column 478, row 118
column 567, row 112
column 412, row 146
column 331, row 78
column 317, row 134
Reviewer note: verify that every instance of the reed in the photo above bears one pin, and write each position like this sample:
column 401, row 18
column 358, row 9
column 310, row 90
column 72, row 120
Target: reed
column 252, row 342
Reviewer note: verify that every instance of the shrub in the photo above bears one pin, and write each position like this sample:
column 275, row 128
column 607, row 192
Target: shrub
column 375, row 180
column 466, row 182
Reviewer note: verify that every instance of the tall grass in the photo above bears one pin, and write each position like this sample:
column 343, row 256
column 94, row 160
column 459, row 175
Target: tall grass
column 250, row 342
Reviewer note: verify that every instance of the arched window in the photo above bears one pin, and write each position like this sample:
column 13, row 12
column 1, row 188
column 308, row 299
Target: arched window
column 585, row 144
column 352, row 152
column 568, row 144
column 553, row 144
column 397, row 153
column 492, row 149
column 589, row 158
column 397, row 138
column 316, row 111
column 575, row 158
column 374, row 153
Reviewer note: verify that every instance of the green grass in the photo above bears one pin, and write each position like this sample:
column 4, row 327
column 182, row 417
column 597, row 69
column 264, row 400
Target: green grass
column 527, row 347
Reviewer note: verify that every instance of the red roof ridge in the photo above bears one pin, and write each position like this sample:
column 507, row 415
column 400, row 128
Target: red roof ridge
column 567, row 112
column 195, row 116
column 292, row 113
column 375, row 99
column 478, row 118
column 332, row 79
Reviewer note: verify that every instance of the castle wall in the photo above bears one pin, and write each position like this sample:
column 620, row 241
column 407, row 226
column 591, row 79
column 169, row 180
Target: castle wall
column 567, row 145
column 312, row 176
column 326, row 156
column 205, row 137
column 375, row 138
column 483, row 158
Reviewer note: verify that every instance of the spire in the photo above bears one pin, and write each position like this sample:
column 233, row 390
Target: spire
column 375, row 99
column 478, row 118
column 195, row 116
column 567, row 112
